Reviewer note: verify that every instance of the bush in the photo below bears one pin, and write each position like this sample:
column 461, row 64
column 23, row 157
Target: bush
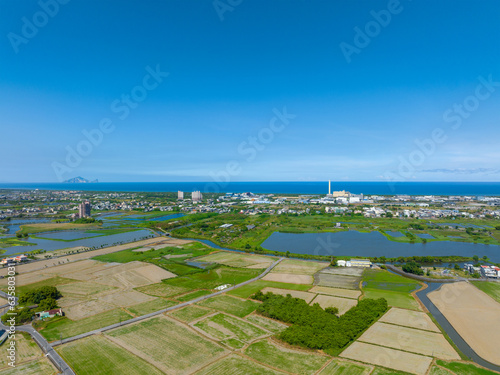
column 413, row 267
column 37, row 295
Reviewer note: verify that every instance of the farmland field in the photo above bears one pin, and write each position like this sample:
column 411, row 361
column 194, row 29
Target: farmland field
column 464, row 368
column 343, row 304
column 190, row 313
column 410, row 340
column 238, row 259
column 386, row 357
column 345, row 368
column 395, row 299
column 162, row 290
column 306, row 296
column 291, row 278
column 271, row 325
column 236, row 365
column 298, row 362
column 407, row 318
column 230, row 305
column 193, row 295
column 337, row 281
column 26, row 350
column 490, row 288
column 62, row 326
column 384, row 280
column 346, row 293
column 247, row 290
column 98, row 355
column 172, row 347
column 222, row 326
column 302, row 267
column 84, row 288
column 150, row 306
column 40, row 367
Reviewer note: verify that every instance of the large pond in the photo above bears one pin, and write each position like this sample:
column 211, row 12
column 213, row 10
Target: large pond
column 97, row 241
column 13, row 226
column 373, row 244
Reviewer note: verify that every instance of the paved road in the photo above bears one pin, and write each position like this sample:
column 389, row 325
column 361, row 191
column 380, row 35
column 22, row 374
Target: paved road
column 50, row 353
column 139, row 318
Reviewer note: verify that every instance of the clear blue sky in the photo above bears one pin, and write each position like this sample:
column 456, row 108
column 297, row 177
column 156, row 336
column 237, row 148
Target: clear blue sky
column 355, row 120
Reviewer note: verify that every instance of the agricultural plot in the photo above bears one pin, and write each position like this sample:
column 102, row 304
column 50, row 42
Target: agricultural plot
column 150, row 306
column 240, row 260
column 306, row 296
column 473, row 314
column 98, row 355
column 346, row 293
column 412, row 319
column 337, row 281
column 343, row 304
column 230, row 305
column 394, row 299
column 409, row 340
column 236, row 365
column 162, row 290
column 40, row 367
column 490, row 288
column 190, row 313
column 384, row 280
column 294, row 361
column 167, row 345
column 289, row 278
column 193, row 295
column 345, row 368
column 84, row 288
column 344, row 271
column 464, row 368
column 271, row 325
column 223, row 327
column 301, row 267
column 247, row 290
column 386, row 357
column 26, row 350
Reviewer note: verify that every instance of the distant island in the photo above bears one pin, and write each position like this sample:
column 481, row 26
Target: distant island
column 79, row 180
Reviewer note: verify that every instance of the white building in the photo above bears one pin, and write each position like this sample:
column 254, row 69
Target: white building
column 341, row 263
column 180, row 195
column 196, row 196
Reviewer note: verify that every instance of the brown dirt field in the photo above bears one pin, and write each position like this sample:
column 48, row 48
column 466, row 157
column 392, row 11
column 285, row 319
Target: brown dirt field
column 27, row 279
column 346, row 293
column 410, row 340
column 126, row 298
column 306, row 296
column 289, row 278
column 86, row 309
column 409, row 318
column 337, row 281
column 29, row 267
column 473, row 314
column 343, row 304
column 83, row 288
column 390, row 358
column 291, row 266
column 345, row 271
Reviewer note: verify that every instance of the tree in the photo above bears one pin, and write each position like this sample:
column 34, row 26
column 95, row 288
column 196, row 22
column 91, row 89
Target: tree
column 47, row 304
column 332, row 310
column 456, row 266
column 476, row 258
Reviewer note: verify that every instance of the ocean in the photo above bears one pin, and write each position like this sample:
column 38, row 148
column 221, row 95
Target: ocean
column 318, row 187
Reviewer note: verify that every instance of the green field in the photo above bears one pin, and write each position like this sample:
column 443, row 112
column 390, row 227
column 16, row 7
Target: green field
column 169, row 343
column 291, row 361
column 189, row 313
column 236, row 365
column 193, row 295
column 395, row 299
column 98, row 355
column 222, row 326
column 162, row 290
column 230, row 305
column 234, row 259
column 56, row 327
column 460, row 368
column 269, row 324
column 40, row 367
column 150, row 306
column 490, row 288
column 246, row 291
column 345, row 368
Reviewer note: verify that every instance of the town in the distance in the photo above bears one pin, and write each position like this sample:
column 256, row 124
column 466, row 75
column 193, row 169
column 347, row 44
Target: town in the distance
column 270, row 283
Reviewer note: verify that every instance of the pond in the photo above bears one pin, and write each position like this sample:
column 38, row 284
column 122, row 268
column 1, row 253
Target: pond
column 14, row 225
column 67, row 235
column 394, row 234
column 372, row 244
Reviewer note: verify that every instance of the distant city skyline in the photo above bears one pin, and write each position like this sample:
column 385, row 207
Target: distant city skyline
column 265, row 91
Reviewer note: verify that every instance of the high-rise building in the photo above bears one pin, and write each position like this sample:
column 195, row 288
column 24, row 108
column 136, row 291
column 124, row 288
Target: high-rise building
column 84, row 209
column 196, row 196
column 180, row 195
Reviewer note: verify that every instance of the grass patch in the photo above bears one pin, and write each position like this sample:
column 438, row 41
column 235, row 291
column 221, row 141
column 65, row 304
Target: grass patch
column 150, row 306
column 291, row 361
column 464, row 368
column 193, row 295
column 269, row 324
column 395, row 299
column 246, row 291
column 490, row 288
column 190, row 313
column 56, row 327
column 234, row 364
column 230, row 305
column 345, row 368
column 223, row 326
column 97, row 355
column 49, row 227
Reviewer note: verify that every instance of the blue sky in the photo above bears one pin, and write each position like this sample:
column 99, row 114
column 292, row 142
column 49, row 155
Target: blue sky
column 230, row 71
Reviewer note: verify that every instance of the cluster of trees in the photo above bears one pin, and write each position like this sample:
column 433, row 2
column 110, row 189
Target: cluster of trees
column 315, row 328
column 87, row 220
column 417, row 226
column 413, row 267
column 38, row 295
